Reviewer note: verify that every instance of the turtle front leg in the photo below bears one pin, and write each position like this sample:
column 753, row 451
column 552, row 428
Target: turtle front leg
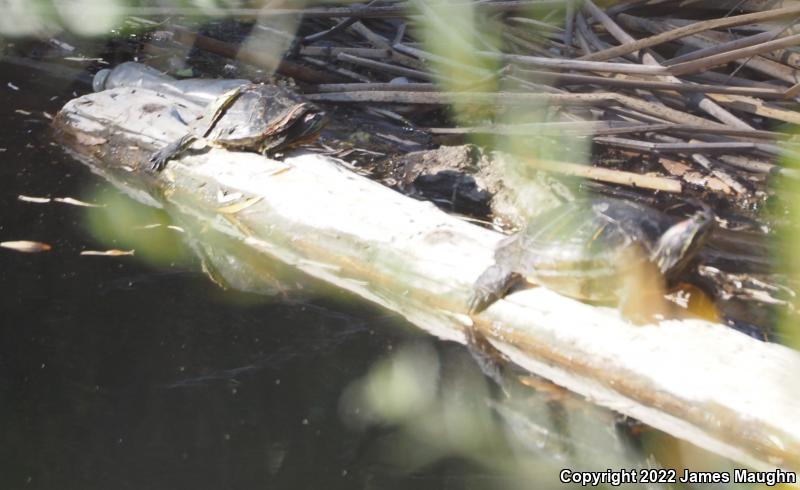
column 492, row 285
column 159, row 159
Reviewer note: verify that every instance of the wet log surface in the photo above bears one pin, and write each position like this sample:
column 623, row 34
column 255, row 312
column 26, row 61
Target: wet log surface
column 697, row 380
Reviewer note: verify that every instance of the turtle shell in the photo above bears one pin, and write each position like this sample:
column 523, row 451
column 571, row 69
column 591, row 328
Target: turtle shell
column 259, row 114
column 578, row 247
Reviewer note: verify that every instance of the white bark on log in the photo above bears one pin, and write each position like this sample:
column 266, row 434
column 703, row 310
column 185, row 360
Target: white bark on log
column 699, row 381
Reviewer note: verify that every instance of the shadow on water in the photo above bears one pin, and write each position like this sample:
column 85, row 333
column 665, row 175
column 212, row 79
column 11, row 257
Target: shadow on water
column 115, row 373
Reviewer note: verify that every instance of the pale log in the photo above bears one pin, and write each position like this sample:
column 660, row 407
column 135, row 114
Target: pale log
column 700, row 381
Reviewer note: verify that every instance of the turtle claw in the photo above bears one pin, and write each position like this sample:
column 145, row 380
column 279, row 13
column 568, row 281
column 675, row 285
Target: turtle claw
column 158, row 161
column 492, row 285
column 481, row 299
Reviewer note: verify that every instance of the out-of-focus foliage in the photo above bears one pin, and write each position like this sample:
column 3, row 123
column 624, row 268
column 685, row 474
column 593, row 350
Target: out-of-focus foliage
column 90, row 17
column 123, row 224
column 789, row 243
column 26, row 18
column 453, row 32
column 434, row 405
column 45, row 18
column 437, row 410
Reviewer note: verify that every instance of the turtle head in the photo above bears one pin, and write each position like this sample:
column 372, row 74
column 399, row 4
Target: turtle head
column 301, row 125
column 679, row 244
column 310, row 125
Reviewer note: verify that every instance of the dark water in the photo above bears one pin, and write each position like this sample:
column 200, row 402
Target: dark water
column 118, row 374
column 115, row 373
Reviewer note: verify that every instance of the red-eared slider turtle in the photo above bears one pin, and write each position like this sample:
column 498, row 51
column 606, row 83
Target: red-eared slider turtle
column 583, row 248
column 256, row 117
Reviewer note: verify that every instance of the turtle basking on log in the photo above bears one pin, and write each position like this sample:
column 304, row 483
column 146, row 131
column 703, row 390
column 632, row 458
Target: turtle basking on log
column 255, row 117
column 582, row 249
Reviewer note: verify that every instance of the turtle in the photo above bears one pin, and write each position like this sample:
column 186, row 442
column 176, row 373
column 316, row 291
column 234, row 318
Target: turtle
column 263, row 118
column 582, row 249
